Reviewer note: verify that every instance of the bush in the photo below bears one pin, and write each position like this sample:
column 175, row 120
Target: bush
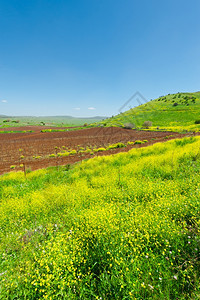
column 88, row 151
column 197, row 122
column 63, row 154
column 175, row 104
column 130, row 143
column 99, row 149
column 138, row 142
column 117, row 145
column 12, row 167
column 147, row 124
column 129, row 126
column 73, row 152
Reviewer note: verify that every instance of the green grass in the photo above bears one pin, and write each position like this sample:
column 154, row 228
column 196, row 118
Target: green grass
column 66, row 121
column 124, row 226
column 163, row 114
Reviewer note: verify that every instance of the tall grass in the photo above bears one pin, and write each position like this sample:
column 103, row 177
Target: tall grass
column 117, row 227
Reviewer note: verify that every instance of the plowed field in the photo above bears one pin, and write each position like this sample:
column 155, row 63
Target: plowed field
column 32, row 149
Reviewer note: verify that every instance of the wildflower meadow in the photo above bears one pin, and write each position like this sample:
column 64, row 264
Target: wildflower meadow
column 123, row 226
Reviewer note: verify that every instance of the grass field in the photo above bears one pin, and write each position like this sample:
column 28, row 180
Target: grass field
column 49, row 121
column 175, row 112
column 118, row 227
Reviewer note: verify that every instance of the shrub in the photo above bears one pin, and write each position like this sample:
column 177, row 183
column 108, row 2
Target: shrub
column 99, row 149
column 73, row 152
column 117, row 145
column 88, row 150
column 129, row 126
column 197, row 122
column 81, row 151
column 138, row 142
column 61, row 154
column 12, row 167
column 175, row 104
column 147, row 124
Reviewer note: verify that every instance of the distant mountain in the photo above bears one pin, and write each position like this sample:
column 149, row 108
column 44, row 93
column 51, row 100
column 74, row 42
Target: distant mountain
column 55, row 117
column 70, row 117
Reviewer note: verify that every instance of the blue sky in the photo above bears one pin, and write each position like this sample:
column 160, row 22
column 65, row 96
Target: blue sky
column 87, row 57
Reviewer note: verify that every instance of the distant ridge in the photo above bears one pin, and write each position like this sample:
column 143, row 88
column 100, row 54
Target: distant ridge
column 64, row 116
column 7, row 121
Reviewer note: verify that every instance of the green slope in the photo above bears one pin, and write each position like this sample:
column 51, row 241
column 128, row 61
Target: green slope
column 172, row 112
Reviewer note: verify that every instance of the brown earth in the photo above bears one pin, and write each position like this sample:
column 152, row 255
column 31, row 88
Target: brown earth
column 37, row 146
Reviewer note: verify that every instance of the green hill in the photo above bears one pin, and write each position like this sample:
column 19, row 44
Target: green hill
column 176, row 112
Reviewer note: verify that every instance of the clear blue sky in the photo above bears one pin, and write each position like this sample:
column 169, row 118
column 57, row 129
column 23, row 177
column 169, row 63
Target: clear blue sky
column 87, row 57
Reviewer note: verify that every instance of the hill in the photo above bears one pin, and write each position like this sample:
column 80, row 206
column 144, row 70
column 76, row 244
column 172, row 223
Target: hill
column 176, row 112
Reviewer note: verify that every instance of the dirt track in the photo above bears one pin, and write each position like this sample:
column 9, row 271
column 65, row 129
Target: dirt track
column 35, row 144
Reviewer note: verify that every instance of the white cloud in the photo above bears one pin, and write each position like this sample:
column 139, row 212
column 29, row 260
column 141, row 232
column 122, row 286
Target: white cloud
column 77, row 108
column 91, row 108
column 4, row 101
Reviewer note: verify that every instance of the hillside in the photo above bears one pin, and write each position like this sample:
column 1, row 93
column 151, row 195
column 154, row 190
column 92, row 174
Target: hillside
column 176, row 112
column 124, row 226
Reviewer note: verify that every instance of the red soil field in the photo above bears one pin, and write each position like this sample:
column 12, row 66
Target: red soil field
column 41, row 145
